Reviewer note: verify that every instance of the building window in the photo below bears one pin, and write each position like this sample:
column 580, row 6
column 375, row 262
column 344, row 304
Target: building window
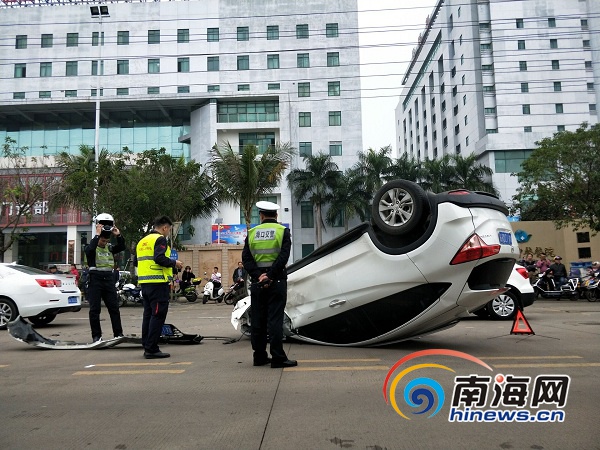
column 455, row 110
column 454, row 91
column 527, row 129
column 335, row 148
column 21, row 41
column 521, row 45
column 72, row 39
column 465, row 99
column 183, row 35
column 47, row 40
column 18, row 95
column 183, row 89
column 445, row 141
column 122, row 67
column 94, row 70
column 553, row 43
column 243, row 62
column 590, row 86
column 305, row 149
column 522, row 66
column 333, row 88
column 272, row 32
column 463, row 80
column 302, row 31
column 212, row 64
column 71, row 69
column 307, row 249
column 335, row 118
column 333, row 59
column 489, row 111
column 94, row 92
column 331, row 30
column 153, row 36
column 183, row 65
column 46, row 69
column 45, row 94
column 212, row 34
column 557, row 86
column 520, row 23
column 453, row 72
column 122, row 37
column 122, row 91
column 304, row 119
column 243, row 87
column 584, row 24
column 306, row 215
column 303, row 89
column 588, row 64
column 592, row 108
column 559, row 108
column 560, row 128
column 303, row 60
column 213, row 88
column 526, row 109
column 487, row 67
column 524, row 87
column 450, row 23
column 462, row 59
column 484, row 26
column 272, row 61
column 586, row 43
column 154, row 65
column 551, row 22
column 457, row 129
column 555, row 64
column 273, row 86
column 443, row 105
column 153, row 90
column 97, row 39
column 491, row 130
column 458, row 149
column 243, row 33
column 71, row 93
column 466, row 120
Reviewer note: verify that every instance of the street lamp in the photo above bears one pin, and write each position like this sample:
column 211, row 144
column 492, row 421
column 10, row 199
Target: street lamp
column 219, row 221
column 97, row 12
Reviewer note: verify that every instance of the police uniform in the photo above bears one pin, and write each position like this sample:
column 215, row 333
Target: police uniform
column 155, row 272
column 101, row 285
column 266, row 251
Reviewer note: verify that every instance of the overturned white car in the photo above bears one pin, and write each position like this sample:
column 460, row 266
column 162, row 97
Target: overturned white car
column 423, row 263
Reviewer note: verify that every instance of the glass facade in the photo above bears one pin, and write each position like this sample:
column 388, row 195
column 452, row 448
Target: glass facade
column 509, row 161
column 248, row 112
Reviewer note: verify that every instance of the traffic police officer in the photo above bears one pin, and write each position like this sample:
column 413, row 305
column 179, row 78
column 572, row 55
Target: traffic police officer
column 155, row 272
column 265, row 255
column 100, row 258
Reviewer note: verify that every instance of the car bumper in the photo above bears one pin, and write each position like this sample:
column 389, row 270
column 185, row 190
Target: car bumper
column 527, row 299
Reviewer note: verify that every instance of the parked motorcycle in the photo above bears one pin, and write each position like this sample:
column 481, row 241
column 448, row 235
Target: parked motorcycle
column 235, row 293
column 129, row 293
column 591, row 287
column 545, row 286
column 213, row 291
column 190, row 292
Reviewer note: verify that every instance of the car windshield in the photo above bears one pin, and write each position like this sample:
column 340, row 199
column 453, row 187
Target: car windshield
column 27, row 270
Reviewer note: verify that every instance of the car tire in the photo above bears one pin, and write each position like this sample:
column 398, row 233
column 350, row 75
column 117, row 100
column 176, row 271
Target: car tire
column 503, row 307
column 8, row 312
column 399, row 206
column 42, row 319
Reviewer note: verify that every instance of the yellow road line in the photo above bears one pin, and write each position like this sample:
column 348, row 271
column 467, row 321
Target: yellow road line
column 129, row 372
column 143, row 364
column 505, row 366
column 485, row 358
column 338, row 360
column 314, row 369
column 3, row 365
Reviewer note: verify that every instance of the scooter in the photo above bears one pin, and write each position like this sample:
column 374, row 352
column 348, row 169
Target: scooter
column 213, row 291
column 130, row 293
column 545, row 287
column 190, row 292
column 235, row 293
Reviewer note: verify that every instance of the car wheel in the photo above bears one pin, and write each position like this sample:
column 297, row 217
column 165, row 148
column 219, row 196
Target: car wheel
column 399, row 206
column 42, row 319
column 8, row 312
column 503, row 307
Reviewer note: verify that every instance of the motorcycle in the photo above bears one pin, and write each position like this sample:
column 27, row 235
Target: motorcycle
column 591, row 287
column 129, row 293
column 235, row 293
column 190, row 292
column 213, row 291
column 545, row 286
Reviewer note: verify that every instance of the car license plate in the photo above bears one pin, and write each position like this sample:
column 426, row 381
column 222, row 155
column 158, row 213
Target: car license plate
column 73, row 300
column 505, row 238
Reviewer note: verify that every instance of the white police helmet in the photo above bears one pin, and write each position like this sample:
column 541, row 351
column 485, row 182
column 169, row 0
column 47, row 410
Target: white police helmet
column 105, row 219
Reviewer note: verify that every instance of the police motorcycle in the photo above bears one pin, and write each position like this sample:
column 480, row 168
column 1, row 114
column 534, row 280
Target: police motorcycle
column 129, row 293
column 545, row 286
column 212, row 291
column 590, row 286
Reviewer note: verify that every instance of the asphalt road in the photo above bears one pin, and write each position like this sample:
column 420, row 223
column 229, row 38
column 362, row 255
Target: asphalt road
column 209, row 396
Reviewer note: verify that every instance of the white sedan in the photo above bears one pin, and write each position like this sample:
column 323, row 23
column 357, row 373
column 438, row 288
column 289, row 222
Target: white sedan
column 36, row 295
column 423, row 262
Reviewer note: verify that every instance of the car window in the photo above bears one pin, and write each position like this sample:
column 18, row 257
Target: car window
column 27, row 270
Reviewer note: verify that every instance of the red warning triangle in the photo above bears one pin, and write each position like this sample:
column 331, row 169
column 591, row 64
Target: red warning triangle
column 520, row 325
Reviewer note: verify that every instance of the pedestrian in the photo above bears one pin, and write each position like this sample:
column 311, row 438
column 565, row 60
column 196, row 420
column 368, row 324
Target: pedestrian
column 240, row 273
column 155, row 273
column 530, row 264
column 54, row 270
column 100, row 255
column 75, row 272
column 265, row 255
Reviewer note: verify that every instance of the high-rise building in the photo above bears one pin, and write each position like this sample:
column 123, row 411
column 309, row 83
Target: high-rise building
column 182, row 75
column 492, row 77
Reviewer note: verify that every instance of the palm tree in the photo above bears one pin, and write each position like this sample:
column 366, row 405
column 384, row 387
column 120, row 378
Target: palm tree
column 405, row 168
column 373, row 166
column 242, row 178
column 438, row 174
column 81, row 170
column 471, row 175
column 348, row 198
column 315, row 183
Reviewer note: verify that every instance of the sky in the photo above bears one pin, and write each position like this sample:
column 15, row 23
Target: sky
column 388, row 33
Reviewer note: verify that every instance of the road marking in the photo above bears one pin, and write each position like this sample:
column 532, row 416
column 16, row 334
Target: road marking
column 530, row 357
column 131, row 372
column 339, row 360
column 313, row 369
column 506, row 366
column 3, row 365
column 144, row 364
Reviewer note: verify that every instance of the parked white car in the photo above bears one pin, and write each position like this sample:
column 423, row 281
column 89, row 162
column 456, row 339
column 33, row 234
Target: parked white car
column 36, row 295
column 425, row 261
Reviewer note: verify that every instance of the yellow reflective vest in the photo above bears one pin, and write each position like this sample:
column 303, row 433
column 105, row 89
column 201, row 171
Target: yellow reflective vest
column 265, row 242
column 148, row 270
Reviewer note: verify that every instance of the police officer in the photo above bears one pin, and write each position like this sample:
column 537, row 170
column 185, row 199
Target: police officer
column 155, row 272
column 265, row 255
column 100, row 258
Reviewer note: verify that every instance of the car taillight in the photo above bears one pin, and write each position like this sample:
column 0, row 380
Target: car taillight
column 523, row 272
column 48, row 283
column 475, row 248
column 459, row 192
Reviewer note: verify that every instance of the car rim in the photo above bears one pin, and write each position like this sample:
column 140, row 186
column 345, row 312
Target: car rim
column 503, row 306
column 5, row 314
column 396, row 207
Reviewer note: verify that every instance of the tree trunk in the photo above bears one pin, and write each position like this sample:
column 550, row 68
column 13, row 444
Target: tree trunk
column 318, row 228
